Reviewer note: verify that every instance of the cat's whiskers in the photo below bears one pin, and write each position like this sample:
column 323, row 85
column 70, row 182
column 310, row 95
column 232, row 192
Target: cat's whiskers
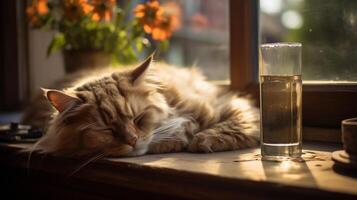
column 95, row 158
column 87, row 125
column 28, row 162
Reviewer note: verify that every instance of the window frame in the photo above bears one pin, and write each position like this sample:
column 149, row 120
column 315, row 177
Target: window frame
column 13, row 56
column 320, row 100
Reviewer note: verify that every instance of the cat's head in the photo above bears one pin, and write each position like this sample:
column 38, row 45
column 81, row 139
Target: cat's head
column 114, row 115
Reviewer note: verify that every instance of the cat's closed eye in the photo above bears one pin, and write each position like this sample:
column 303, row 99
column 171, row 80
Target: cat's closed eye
column 145, row 120
column 104, row 130
column 139, row 120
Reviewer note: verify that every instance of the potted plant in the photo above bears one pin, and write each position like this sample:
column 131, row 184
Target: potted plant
column 95, row 33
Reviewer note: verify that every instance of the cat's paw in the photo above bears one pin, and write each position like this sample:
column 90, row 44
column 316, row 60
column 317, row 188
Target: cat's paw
column 167, row 147
column 208, row 142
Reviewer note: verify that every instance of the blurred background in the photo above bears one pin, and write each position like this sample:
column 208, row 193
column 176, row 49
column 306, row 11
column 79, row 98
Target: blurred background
column 326, row 28
column 202, row 40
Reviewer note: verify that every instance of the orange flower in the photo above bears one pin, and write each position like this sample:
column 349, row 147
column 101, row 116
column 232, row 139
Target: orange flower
column 42, row 8
column 74, row 9
column 38, row 8
column 103, row 9
column 164, row 30
column 169, row 22
column 149, row 14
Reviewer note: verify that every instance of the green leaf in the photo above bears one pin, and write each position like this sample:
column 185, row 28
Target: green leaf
column 139, row 44
column 57, row 43
column 119, row 18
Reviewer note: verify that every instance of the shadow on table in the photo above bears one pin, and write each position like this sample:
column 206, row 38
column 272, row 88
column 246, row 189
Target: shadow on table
column 344, row 171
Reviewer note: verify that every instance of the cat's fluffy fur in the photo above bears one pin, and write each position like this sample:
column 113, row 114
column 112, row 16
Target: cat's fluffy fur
column 152, row 108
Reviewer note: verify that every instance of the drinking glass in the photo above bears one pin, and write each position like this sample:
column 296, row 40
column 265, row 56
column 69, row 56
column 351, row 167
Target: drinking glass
column 280, row 100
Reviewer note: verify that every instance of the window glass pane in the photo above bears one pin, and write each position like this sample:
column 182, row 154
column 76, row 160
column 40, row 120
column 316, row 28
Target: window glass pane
column 203, row 37
column 326, row 28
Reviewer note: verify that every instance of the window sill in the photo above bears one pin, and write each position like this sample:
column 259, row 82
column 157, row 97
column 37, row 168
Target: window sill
column 317, row 134
column 226, row 175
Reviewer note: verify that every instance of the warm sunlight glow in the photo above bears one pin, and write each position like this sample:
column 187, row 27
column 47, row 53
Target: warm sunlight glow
column 271, row 6
column 286, row 165
column 242, row 104
column 292, row 19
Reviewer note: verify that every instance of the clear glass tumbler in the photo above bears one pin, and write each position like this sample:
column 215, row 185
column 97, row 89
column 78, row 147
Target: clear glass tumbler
column 280, row 100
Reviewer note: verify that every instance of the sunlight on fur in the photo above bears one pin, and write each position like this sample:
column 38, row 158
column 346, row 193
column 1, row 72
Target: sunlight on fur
column 151, row 108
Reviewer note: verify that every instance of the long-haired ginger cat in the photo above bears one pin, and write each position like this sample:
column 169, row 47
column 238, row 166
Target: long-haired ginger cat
column 151, row 108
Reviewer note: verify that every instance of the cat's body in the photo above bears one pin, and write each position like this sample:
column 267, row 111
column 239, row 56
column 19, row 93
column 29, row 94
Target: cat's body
column 156, row 109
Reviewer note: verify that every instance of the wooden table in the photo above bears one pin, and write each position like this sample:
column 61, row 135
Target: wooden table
column 227, row 175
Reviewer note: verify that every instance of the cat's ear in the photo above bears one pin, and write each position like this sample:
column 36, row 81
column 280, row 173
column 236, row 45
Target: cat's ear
column 60, row 100
column 139, row 72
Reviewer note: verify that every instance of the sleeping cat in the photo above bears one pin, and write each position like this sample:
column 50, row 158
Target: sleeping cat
column 152, row 108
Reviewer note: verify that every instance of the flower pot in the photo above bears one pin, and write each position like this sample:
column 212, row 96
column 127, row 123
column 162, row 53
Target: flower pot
column 76, row 60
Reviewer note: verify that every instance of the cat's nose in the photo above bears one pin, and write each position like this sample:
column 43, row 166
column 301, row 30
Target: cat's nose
column 131, row 139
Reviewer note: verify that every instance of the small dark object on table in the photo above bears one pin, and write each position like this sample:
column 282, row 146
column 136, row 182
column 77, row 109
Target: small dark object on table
column 14, row 132
column 347, row 158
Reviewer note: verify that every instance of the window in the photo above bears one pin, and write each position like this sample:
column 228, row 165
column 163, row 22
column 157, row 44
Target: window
column 203, row 37
column 328, row 96
column 326, row 28
column 222, row 37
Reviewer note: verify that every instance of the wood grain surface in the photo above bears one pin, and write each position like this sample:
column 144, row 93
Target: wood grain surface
column 226, row 175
